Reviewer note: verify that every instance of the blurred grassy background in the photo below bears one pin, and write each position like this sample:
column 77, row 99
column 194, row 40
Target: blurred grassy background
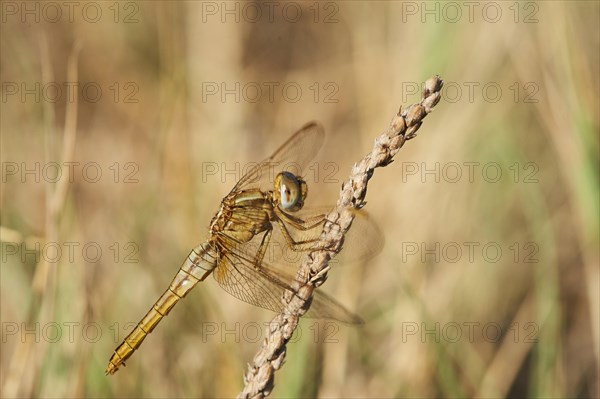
column 438, row 323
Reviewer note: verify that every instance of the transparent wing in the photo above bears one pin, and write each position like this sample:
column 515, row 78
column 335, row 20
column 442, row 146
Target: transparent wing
column 363, row 241
column 248, row 284
column 294, row 156
column 263, row 285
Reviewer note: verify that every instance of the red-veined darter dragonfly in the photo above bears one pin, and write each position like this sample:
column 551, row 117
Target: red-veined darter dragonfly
column 260, row 204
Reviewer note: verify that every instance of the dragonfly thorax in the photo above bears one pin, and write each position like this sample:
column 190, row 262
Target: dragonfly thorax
column 243, row 214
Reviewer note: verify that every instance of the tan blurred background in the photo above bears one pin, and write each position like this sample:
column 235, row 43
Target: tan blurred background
column 487, row 285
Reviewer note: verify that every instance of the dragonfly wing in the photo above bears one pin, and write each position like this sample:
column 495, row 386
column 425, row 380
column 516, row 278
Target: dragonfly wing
column 362, row 242
column 294, row 156
column 263, row 285
column 239, row 278
column 323, row 306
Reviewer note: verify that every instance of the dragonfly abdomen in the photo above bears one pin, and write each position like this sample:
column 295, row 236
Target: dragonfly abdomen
column 198, row 265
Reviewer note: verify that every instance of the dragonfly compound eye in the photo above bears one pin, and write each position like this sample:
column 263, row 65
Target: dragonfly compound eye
column 291, row 191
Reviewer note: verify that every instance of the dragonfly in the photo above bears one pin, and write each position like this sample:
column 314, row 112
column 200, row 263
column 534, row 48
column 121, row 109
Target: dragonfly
column 264, row 209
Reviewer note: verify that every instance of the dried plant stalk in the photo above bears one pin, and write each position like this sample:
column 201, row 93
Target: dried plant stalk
column 259, row 377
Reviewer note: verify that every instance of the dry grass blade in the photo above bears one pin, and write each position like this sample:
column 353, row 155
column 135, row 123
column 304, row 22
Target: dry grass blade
column 259, row 377
column 19, row 381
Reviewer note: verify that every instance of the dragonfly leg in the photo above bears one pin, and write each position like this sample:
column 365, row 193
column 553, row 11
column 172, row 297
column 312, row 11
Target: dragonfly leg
column 297, row 245
column 260, row 254
column 301, row 224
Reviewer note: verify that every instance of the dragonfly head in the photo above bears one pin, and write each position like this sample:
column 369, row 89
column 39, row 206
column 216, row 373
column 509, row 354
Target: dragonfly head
column 290, row 191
